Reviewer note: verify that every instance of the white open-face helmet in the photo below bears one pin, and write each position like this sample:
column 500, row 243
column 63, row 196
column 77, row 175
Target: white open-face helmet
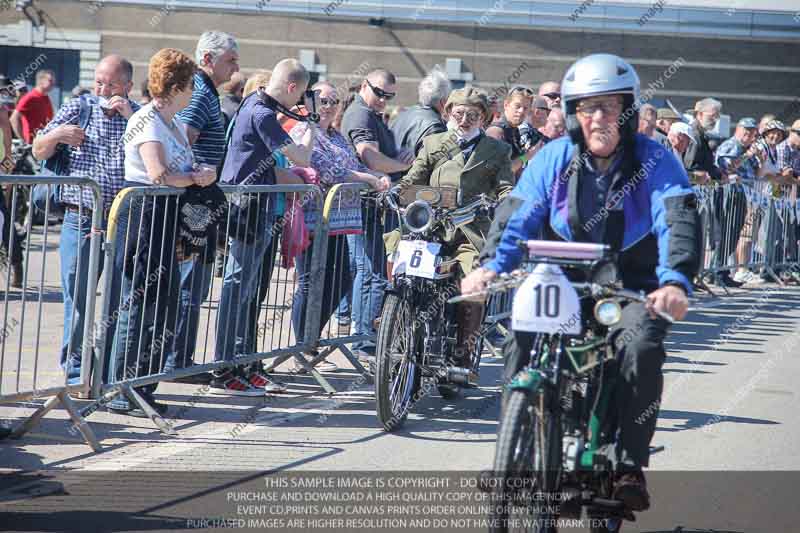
column 596, row 75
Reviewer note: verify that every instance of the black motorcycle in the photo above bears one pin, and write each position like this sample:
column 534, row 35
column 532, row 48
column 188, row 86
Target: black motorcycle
column 416, row 342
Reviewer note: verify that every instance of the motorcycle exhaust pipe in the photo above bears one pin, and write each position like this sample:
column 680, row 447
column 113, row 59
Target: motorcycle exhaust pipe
column 460, row 376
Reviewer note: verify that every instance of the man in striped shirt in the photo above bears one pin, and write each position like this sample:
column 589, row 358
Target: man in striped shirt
column 217, row 57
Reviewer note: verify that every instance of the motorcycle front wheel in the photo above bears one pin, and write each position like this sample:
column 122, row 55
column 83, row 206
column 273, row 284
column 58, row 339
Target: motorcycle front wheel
column 526, row 467
column 397, row 376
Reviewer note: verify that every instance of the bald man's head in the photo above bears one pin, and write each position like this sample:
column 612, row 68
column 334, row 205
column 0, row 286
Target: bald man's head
column 119, row 63
column 288, row 82
column 113, row 76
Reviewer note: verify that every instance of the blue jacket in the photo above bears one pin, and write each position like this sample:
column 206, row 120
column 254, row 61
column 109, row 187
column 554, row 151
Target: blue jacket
column 660, row 241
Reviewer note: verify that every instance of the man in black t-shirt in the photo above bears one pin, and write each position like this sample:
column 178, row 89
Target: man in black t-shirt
column 363, row 126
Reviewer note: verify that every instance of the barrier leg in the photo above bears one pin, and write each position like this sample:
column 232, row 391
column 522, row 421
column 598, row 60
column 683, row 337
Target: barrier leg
column 151, row 413
column 80, row 422
column 64, row 399
column 356, row 363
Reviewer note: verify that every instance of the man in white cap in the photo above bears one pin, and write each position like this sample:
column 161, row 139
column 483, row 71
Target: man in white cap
column 681, row 139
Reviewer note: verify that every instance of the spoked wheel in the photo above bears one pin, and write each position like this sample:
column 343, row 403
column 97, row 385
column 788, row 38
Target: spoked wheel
column 397, row 377
column 526, row 467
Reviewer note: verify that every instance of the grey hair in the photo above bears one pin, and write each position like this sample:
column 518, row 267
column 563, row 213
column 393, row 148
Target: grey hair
column 433, row 88
column 708, row 104
column 215, row 43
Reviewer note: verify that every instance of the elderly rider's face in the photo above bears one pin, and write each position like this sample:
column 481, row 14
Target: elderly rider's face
column 467, row 117
column 598, row 117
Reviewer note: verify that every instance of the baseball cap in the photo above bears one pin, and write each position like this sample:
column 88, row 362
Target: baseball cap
column 748, row 123
column 682, row 127
column 667, row 113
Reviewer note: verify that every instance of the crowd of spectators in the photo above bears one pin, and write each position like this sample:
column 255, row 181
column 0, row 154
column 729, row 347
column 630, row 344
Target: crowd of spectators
column 201, row 122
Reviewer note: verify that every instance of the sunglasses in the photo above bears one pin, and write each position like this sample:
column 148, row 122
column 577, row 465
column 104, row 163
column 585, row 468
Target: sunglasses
column 795, row 131
column 380, row 93
column 552, row 96
column 329, row 102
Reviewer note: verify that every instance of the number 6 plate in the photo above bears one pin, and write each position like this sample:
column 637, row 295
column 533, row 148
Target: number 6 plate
column 418, row 258
column 546, row 302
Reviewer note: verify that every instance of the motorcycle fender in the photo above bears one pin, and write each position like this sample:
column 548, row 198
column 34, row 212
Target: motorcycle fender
column 528, row 380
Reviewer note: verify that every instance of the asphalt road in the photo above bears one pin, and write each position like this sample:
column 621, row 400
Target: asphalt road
column 727, row 416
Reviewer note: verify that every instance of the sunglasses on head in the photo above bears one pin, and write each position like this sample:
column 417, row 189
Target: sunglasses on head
column 380, row 93
column 521, row 89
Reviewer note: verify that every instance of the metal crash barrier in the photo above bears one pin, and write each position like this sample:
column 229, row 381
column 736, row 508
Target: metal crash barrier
column 60, row 267
column 166, row 316
column 748, row 226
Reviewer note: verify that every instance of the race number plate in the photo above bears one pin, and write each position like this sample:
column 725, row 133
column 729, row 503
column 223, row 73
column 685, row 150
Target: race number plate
column 546, row 302
column 418, row 258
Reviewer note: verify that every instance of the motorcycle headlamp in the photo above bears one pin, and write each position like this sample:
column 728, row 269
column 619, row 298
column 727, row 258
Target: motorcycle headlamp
column 607, row 312
column 418, row 217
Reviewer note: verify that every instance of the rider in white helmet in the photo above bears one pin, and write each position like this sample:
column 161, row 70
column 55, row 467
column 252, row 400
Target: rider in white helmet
column 606, row 183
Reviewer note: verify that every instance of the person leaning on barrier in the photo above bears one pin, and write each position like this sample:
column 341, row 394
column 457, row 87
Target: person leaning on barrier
column 95, row 153
column 373, row 141
column 773, row 238
column 737, row 157
column 157, row 152
column 255, row 140
column 217, row 57
column 605, row 166
column 789, row 153
column 334, row 161
column 466, row 158
column 425, row 118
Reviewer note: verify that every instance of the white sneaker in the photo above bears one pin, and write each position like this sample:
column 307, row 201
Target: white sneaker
column 322, row 366
column 744, row 276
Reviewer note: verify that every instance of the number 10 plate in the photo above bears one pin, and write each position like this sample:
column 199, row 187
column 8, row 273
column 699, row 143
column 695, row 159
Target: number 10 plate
column 546, row 302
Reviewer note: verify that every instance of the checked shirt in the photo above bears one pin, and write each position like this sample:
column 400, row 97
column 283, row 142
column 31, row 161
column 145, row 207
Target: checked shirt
column 100, row 157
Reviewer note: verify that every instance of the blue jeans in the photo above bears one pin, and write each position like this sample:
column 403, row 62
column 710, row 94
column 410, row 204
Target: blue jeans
column 195, row 283
column 75, row 241
column 145, row 259
column 370, row 280
column 239, row 289
column 345, row 305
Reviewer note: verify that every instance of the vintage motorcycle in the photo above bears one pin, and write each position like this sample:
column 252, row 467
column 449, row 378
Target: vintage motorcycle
column 557, row 412
column 416, row 341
